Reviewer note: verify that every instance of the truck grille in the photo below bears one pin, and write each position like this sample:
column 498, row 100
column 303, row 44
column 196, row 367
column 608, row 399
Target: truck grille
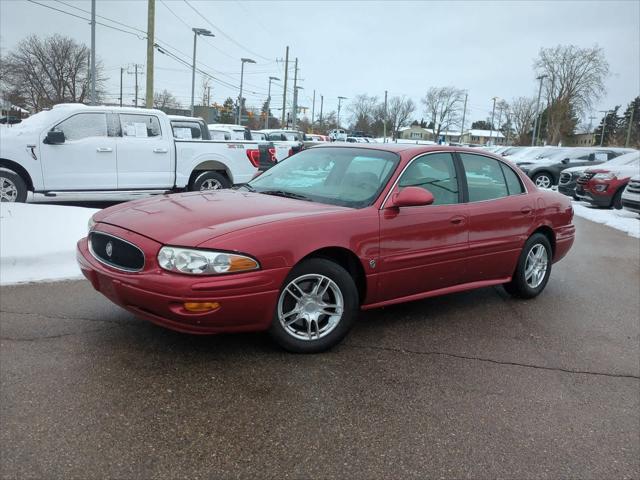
column 565, row 177
column 115, row 252
column 585, row 177
column 633, row 186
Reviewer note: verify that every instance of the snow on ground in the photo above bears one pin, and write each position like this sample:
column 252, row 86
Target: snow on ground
column 38, row 242
column 623, row 220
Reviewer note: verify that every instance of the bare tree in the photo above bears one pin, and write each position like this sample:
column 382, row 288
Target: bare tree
column 523, row 111
column 363, row 111
column 574, row 81
column 165, row 99
column 43, row 72
column 443, row 105
column 399, row 111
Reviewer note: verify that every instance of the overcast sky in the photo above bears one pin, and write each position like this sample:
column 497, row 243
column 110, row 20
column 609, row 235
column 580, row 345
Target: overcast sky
column 347, row 48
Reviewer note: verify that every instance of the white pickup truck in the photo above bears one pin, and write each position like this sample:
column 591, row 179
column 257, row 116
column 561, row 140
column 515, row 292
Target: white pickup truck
column 83, row 152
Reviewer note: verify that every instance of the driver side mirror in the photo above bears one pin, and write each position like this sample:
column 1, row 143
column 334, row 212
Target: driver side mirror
column 565, row 161
column 54, row 138
column 412, row 197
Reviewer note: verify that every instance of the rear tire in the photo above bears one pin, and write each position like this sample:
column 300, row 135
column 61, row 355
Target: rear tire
column 209, row 180
column 533, row 269
column 317, row 299
column 543, row 180
column 617, row 199
column 12, row 187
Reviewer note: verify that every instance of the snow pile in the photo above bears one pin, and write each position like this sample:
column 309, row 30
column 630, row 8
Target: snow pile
column 38, row 242
column 623, row 220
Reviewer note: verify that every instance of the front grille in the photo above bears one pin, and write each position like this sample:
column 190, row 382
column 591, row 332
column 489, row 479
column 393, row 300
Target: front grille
column 633, row 186
column 565, row 177
column 585, row 177
column 115, row 252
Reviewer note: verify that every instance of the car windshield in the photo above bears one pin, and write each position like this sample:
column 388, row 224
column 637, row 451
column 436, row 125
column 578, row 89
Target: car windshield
column 626, row 159
column 349, row 177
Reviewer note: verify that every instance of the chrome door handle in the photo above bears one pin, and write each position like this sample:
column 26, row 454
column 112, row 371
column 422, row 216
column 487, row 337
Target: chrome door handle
column 104, row 149
column 457, row 220
column 160, row 150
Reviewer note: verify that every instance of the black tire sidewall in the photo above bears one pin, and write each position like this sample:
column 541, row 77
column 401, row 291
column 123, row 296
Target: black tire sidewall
column 616, row 202
column 209, row 175
column 347, row 286
column 20, row 184
column 518, row 285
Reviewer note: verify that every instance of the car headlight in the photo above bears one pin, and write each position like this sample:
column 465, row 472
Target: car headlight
column 604, row 176
column 90, row 224
column 204, row 262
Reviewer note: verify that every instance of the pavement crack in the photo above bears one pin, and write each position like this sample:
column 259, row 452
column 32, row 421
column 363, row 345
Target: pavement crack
column 49, row 337
column 490, row 360
column 62, row 317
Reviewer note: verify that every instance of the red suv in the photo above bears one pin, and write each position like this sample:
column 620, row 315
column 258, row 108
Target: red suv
column 603, row 185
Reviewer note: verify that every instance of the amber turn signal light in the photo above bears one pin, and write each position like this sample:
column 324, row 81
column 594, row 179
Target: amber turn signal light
column 201, row 306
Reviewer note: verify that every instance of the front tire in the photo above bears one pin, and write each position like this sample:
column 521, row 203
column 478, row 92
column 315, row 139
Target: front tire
column 317, row 306
column 209, row 180
column 616, row 203
column 533, row 269
column 12, row 187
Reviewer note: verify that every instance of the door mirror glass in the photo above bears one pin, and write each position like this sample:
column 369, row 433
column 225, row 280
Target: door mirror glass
column 54, row 138
column 412, row 197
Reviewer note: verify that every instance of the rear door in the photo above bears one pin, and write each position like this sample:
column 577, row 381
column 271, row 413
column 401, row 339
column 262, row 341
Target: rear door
column 87, row 158
column 500, row 216
column 424, row 248
column 144, row 153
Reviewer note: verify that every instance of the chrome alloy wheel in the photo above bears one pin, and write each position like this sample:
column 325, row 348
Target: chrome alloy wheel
column 8, row 190
column 543, row 181
column 536, row 265
column 310, row 307
column 210, row 184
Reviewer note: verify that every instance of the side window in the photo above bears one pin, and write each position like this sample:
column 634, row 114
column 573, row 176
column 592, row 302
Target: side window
column 83, row 125
column 140, row 126
column 514, row 185
column 485, row 179
column 434, row 172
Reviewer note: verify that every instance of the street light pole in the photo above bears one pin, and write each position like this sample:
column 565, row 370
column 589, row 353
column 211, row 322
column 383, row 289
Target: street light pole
column 93, row 52
column 339, row 105
column 196, row 32
column 534, row 137
column 243, row 60
column 493, row 112
column 266, row 120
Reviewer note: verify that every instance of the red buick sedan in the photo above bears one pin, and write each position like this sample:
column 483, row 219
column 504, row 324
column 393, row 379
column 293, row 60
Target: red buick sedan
column 332, row 230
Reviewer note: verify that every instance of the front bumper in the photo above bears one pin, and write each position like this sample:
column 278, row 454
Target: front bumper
column 631, row 204
column 568, row 189
column 247, row 300
column 603, row 200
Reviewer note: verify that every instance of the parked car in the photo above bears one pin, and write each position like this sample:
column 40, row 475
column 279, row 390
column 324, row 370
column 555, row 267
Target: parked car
column 631, row 195
column 219, row 133
column 189, row 128
column 258, row 135
column 302, row 248
column 338, row 135
column 545, row 172
column 293, row 140
column 603, row 186
column 10, row 120
column 105, row 152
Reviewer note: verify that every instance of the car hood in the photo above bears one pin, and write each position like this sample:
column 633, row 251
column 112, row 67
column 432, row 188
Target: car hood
column 189, row 219
column 622, row 171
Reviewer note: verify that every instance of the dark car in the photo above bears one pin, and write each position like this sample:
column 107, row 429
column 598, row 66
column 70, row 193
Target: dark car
column 545, row 172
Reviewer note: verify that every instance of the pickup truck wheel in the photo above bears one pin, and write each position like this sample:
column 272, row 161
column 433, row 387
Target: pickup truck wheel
column 12, row 187
column 209, row 181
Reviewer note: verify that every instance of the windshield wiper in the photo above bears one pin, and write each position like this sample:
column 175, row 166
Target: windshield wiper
column 282, row 193
column 247, row 186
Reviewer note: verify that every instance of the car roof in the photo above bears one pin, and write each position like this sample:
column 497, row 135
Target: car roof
column 185, row 118
column 404, row 147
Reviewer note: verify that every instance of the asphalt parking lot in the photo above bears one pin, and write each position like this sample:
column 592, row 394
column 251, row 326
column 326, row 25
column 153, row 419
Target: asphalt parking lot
column 471, row 385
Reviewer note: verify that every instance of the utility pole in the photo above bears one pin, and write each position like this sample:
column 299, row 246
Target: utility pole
column 534, row 137
column 626, row 142
column 313, row 109
column 208, row 95
column 266, row 120
column 295, row 95
column 464, row 114
column 493, row 112
column 284, row 95
column 339, row 105
column 136, row 104
column 151, row 14
column 137, row 69
column 93, row 52
column 384, row 119
column 321, row 103
column 121, row 72
column 604, row 124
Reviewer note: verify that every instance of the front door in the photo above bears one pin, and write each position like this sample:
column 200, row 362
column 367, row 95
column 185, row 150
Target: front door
column 87, row 158
column 424, row 248
column 144, row 153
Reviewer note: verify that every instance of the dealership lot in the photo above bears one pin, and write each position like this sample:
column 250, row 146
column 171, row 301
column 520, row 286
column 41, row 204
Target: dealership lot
column 468, row 385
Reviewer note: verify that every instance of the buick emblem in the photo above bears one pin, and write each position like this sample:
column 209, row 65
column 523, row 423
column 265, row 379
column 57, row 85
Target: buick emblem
column 109, row 249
